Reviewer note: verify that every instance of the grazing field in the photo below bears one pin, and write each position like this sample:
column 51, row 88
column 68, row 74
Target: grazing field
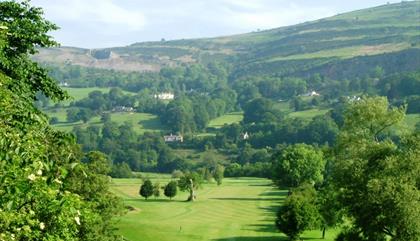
column 241, row 209
column 308, row 114
column 80, row 93
column 230, row 118
column 141, row 122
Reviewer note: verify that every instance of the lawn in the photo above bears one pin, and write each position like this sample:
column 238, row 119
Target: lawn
column 241, row 209
column 80, row 93
column 230, row 118
column 308, row 114
column 142, row 122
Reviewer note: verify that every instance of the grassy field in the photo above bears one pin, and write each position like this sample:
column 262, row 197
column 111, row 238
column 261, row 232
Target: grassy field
column 230, row 118
column 142, row 122
column 80, row 93
column 241, row 209
column 308, row 114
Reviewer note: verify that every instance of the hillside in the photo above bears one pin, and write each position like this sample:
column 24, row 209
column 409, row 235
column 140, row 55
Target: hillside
column 356, row 39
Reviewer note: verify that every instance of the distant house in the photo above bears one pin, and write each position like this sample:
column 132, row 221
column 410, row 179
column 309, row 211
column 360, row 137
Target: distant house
column 353, row 98
column 165, row 96
column 123, row 109
column 173, row 138
column 244, row 136
column 64, row 84
column 311, row 93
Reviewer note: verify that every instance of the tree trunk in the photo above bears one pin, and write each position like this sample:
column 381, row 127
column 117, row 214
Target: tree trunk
column 192, row 193
column 323, row 232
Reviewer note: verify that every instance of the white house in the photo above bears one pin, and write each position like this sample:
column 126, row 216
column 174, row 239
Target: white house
column 165, row 96
column 311, row 93
column 173, row 138
column 244, row 136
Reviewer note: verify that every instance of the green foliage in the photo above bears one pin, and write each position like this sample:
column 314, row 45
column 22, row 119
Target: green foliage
column 171, row 189
column 219, row 174
column 190, row 182
column 146, row 189
column 41, row 196
column 377, row 178
column 298, row 213
column 298, row 164
column 121, row 170
column 261, row 110
column 156, row 190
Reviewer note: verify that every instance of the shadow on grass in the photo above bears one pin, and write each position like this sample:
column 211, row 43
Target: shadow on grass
column 247, row 238
column 266, row 228
column 261, row 185
column 160, row 200
column 280, row 193
column 246, row 199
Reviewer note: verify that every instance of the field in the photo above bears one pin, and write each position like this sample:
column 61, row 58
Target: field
column 230, row 118
column 308, row 114
column 142, row 122
column 241, row 209
column 80, row 93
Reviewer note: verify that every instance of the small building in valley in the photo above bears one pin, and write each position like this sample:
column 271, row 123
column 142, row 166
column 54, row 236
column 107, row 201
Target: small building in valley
column 244, row 136
column 311, row 93
column 173, row 138
column 165, row 96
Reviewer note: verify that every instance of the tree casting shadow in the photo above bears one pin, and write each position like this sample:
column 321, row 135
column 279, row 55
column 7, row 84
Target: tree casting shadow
column 246, row 199
column 242, row 238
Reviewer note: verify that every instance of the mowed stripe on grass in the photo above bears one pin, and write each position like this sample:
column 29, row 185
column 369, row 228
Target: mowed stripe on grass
column 241, row 209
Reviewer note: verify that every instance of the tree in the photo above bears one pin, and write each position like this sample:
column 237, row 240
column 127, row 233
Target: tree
column 330, row 210
column 72, row 114
column 41, row 169
column 121, row 170
column 377, row 178
column 261, row 110
column 171, row 189
column 146, row 189
column 105, row 117
column 298, row 213
column 156, row 190
column 190, row 182
column 298, row 164
column 219, row 173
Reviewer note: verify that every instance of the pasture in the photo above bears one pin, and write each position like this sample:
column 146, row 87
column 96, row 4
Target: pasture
column 241, row 209
column 230, row 118
column 141, row 122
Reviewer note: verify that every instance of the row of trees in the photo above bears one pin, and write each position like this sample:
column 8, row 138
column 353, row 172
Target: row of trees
column 148, row 189
column 367, row 182
column 189, row 182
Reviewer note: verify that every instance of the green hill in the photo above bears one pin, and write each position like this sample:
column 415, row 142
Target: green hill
column 388, row 36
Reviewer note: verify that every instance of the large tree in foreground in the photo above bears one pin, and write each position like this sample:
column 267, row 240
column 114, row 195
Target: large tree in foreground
column 298, row 213
column 378, row 179
column 298, row 164
column 41, row 196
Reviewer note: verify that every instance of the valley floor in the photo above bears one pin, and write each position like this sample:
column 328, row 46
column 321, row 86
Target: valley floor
column 241, row 209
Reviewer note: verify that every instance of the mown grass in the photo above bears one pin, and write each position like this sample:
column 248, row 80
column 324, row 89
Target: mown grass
column 141, row 122
column 230, row 118
column 80, row 93
column 308, row 114
column 241, row 209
